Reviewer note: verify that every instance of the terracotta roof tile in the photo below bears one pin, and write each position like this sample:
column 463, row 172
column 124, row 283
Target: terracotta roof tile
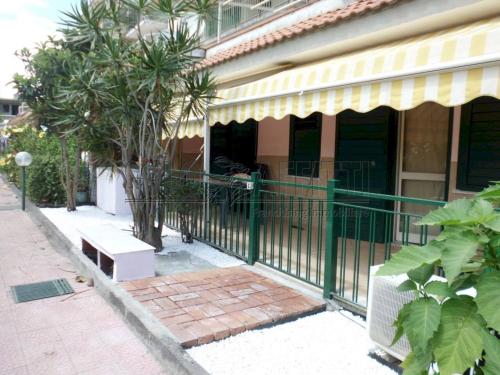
column 322, row 20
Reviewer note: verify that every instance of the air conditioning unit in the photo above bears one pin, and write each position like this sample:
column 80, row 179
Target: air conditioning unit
column 384, row 303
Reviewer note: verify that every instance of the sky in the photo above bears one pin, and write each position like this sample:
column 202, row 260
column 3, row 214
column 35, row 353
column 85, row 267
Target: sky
column 24, row 23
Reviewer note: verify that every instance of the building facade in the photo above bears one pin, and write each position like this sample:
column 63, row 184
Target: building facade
column 391, row 107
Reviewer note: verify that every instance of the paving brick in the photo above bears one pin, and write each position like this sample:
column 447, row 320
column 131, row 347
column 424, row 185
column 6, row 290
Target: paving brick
column 180, row 288
column 186, row 338
column 260, row 314
column 234, row 307
column 204, row 334
column 272, row 310
column 166, row 291
column 262, row 298
column 151, row 305
column 183, row 297
column 233, row 324
column 165, row 303
column 258, row 286
column 148, row 297
column 167, row 280
column 140, row 292
column 147, row 283
column 248, row 321
column 250, row 300
column 191, row 302
column 200, row 287
column 177, row 319
column 227, row 301
column 219, row 330
column 242, row 292
column 211, row 310
column 169, row 313
column 195, row 312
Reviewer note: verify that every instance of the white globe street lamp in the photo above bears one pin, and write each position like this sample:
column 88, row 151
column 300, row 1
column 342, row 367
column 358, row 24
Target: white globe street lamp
column 23, row 159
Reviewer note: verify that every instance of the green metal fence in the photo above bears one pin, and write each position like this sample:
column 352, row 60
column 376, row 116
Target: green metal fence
column 322, row 235
column 217, row 209
column 363, row 234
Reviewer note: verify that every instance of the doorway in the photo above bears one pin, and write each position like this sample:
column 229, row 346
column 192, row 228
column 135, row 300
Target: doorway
column 365, row 160
column 423, row 157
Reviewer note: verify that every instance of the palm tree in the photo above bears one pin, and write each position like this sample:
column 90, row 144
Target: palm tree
column 136, row 92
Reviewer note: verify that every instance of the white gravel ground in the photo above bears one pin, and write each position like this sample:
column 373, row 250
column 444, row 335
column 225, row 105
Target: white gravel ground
column 328, row 343
column 69, row 222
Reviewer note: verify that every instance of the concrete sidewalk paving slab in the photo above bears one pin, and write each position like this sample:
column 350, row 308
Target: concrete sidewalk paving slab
column 70, row 334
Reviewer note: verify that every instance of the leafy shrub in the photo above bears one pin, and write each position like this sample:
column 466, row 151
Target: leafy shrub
column 43, row 183
column 449, row 330
column 184, row 197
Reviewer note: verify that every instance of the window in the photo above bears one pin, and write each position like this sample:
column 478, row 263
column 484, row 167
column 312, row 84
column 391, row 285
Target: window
column 5, row 108
column 305, row 144
column 15, row 109
column 234, row 141
column 479, row 151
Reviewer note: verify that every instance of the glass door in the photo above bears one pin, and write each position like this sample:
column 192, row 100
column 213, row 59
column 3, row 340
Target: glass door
column 423, row 155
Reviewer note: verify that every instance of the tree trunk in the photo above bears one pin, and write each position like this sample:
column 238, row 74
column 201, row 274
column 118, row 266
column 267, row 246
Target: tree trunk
column 67, row 177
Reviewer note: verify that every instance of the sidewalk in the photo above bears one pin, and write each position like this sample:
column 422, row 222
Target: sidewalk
column 72, row 334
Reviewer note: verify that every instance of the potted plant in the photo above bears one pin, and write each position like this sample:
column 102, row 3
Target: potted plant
column 82, row 193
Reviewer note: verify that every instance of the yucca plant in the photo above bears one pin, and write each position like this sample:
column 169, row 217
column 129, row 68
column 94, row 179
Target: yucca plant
column 450, row 331
column 136, row 90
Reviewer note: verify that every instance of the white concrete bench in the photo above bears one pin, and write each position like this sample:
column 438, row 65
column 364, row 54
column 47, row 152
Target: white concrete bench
column 118, row 253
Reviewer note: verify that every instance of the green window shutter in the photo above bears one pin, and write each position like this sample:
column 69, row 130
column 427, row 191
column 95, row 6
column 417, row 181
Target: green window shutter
column 305, row 144
column 479, row 149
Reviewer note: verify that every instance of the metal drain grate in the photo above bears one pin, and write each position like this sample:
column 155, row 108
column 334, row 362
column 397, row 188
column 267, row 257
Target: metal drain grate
column 44, row 289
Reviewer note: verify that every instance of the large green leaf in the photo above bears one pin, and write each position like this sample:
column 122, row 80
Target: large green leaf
column 417, row 364
column 421, row 322
column 491, row 193
column 493, row 223
column 458, row 342
column 488, row 298
column 406, row 286
column 439, row 288
column 451, row 214
column 492, row 357
column 481, row 211
column 460, row 211
column 421, row 274
column 410, row 258
column 398, row 323
column 456, row 253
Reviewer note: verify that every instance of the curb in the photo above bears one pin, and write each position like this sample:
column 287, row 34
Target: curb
column 157, row 338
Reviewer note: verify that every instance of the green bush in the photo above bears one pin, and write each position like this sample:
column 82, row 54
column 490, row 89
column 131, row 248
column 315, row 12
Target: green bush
column 444, row 327
column 43, row 183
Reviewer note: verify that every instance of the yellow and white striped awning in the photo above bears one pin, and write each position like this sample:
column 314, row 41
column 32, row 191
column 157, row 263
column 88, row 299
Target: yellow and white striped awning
column 450, row 67
column 192, row 128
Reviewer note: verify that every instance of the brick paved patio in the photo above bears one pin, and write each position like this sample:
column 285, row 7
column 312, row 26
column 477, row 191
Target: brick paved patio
column 200, row 307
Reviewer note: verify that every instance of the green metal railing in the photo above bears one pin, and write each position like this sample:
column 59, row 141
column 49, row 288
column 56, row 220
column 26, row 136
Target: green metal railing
column 216, row 209
column 322, row 235
column 366, row 229
column 292, row 235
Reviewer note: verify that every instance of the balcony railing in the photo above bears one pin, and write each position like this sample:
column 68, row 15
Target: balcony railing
column 233, row 15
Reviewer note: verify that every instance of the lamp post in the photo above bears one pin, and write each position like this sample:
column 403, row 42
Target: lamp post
column 23, row 159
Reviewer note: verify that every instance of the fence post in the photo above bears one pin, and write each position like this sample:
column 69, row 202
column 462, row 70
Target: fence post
column 330, row 273
column 254, row 220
